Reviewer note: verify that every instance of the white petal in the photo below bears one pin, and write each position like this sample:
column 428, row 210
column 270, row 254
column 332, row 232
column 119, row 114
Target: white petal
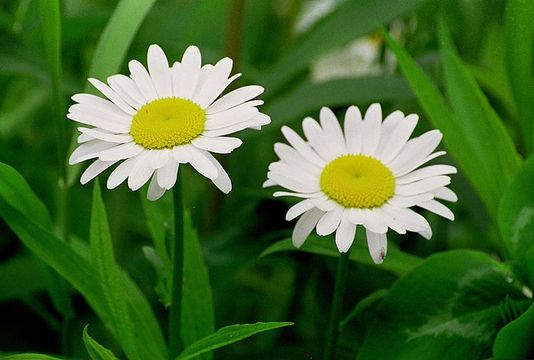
column 127, row 90
column 398, row 138
column 121, row 173
column 122, row 151
column 345, row 234
column 422, row 186
column 220, row 145
column 158, row 67
column 257, row 121
column 100, row 122
column 167, row 175
column 378, row 246
column 373, row 221
column 371, row 129
column 158, row 158
column 445, row 193
column 298, row 209
column 315, row 135
column 330, row 221
column 289, row 171
column 154, row 190
column 142, row 80
column 112, row 95
column 230, row 117
column 96, row 103
column 234, row 98
column 414, row 151
column 332, row 131
column 426, row 172
column 305, row 225
column 409, row 201
column 202, row 164
column 356, row 216
column 302, row 147
column 222, row 181
column 141, row 172
column 95, row 169
column 293, row 184
column 389, row 125
column 408, row 218
column 89, row 150
column 291, row 157
column 189, row 72
column 437, row 208
column 106, row 136
column 298, row 195
column 215, row 84
column 324, row 203
column 353, row 130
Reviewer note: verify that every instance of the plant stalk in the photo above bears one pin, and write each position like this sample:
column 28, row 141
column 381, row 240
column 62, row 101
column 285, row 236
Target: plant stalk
column 175, row 313
column 337, row 304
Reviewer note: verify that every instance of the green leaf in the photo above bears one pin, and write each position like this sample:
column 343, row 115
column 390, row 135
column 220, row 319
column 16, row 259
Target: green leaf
column 516, row 212
column 79, row 272
column 226, row 336
column 520, row 63
column 454, row 136
column 31, row 356
column 452, row 304
column 347, row 22
column 309, row 97
column 94, row 349
column 481, row 124
column 514, row 341
column 397, row 261
column 109, row 275
column 198, row 319
column 363, row 305
column 117, row 37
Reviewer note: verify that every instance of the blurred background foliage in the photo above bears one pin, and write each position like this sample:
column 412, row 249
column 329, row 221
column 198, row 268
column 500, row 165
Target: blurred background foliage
column 306, row 53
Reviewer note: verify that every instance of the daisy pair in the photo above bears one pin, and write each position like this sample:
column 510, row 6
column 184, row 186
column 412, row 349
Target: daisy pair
column 368, row 173
column 158, row 118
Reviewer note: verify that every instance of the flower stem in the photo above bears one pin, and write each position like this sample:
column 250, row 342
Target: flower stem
column 337, row 303
column 175, row 313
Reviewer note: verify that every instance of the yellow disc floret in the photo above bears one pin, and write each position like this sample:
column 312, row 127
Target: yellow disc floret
column 165, row 123
column 357, row 181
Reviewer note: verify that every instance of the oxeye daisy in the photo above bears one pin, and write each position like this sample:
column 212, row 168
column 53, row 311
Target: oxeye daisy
column 163, row 116
column 366, row 174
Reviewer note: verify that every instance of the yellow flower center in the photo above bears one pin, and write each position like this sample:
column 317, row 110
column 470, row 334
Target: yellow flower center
column 357, row 181
column 165, row 123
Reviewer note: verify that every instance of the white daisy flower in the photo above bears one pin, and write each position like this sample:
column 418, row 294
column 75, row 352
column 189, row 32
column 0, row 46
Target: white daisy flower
column 365, row 175
column 154, row 120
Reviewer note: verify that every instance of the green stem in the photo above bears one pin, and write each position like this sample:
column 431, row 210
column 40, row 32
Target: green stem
column 175, row 313
column 337, row 303
column 234, row 29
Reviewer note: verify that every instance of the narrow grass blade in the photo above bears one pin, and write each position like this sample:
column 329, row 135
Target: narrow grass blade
column 520, row 63
column 94, row 349
column 226, row 336
column 109, row 275
column 32, row 356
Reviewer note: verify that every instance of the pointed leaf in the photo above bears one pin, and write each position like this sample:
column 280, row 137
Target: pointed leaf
column 226, row 336
column 94, row 349
column 514, row 341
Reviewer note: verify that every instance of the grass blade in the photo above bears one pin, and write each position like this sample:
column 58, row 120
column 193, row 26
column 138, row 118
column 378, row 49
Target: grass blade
column 226, row 336
column 94, row 349
column 520, row 63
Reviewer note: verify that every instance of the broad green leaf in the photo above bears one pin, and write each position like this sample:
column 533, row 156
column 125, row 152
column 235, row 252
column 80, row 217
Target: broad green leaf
column 457, row 141
column 396, row 262
column 81, row 275
column 310, row 97
column 94, row 349
column 117, row 37
column 516, row 212
column 363, row 305
column 451, row 304
column 20, row 276
column 514, row 341
column 520, row 62
column 347, row 22
column 226, row 336
column 198, row 318
column 109, row 275
column 31, row 356
column 479, row 121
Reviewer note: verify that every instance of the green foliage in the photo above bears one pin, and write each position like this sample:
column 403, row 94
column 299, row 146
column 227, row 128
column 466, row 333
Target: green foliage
column 398, row 263
column 514, row 341
column 31, row 356
column 226, row 336
column 516, row 212
column 95, row 350
column 452, row 304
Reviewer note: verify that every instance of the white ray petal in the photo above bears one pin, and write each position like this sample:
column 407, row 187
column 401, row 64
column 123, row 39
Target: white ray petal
column 122, row 151
column 353, row 130
column 445, row 193
column 121, row 173
column 437, row 208
column 409, row 201
column 112, row 95
column 215, row 84
column 422, row 186
column 106, row 136
column 234, row 98
column 154, row 190
column 315, row 135
column 298, row 209
column 398, row 138
column 329, row 221
column 305, row 225
column 414, row 151
column 378, row 246
column 127, row 90
column 222, row 181
column 158, row 67
column 189, row 72
column 302, row 147
column 89, row 150
column 371, row 129
column 142, row 80
column 426, row 172
column 332, row 131
column 345, row 234
column 95, row 169
column 220, row 145
column 167, row 175
column 202, row 164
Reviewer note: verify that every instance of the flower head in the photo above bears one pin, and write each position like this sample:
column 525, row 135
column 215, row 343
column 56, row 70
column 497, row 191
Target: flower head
column 152, row 121
column 366, row 174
